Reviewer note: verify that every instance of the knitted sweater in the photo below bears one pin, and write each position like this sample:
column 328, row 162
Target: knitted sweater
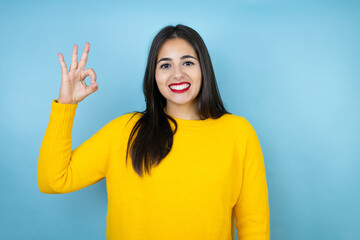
column 213, row 175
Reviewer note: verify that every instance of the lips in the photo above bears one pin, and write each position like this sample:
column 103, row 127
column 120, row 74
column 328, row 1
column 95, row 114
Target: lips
column 179, row 83
column 178, row 89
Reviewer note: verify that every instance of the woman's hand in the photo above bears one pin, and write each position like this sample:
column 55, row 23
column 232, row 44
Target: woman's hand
column 73, row 87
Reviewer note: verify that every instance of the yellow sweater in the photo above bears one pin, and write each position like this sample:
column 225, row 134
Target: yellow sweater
column 213, row 175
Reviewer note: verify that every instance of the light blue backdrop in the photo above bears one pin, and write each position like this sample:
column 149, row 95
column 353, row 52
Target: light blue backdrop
column 290, row 67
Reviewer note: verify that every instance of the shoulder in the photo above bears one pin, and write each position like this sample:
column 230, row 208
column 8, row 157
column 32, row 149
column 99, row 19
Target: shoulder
column 127, row 119
column 122, row 121
column 238, row 125
column 236, row 121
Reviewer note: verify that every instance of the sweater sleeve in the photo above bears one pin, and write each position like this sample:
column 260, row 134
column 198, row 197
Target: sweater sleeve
column 252, row 208
column 61, row 170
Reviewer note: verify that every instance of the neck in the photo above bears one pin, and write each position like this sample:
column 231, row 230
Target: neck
column 187, row 112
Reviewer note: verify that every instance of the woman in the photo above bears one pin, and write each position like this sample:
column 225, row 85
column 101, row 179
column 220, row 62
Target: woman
column 194, row 167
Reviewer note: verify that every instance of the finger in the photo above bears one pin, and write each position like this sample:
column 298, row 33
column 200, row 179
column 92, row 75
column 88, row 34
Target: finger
column 63, row 64
column 94, row 86
column 74, row 60
column 84, row 56
column 88, row 72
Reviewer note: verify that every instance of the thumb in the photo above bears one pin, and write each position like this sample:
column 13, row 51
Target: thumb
column 92, row 88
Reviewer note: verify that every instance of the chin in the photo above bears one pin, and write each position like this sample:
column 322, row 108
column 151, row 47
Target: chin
column 179, row 102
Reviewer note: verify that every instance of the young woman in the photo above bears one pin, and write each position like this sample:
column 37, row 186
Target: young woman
column 194, row 168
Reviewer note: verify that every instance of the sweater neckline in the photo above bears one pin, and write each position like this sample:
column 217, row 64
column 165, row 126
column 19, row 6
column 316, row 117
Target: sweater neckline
column 192, row 123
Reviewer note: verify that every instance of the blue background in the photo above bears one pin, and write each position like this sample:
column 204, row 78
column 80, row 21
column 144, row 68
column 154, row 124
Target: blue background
column 290, row 67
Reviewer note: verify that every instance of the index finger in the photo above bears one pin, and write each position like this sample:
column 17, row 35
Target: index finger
column 63, row 64
column 84, row 56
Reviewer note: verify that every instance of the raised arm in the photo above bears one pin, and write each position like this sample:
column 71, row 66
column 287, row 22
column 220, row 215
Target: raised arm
column 61, row 170
column 252, row 208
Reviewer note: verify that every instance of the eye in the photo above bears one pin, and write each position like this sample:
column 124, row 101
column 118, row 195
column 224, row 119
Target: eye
column 166, row 65
column 188, row 63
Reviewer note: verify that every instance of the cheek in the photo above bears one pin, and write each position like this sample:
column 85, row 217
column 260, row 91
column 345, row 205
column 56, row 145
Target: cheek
column 198, row 75
column 160, row 78
column 161, row 84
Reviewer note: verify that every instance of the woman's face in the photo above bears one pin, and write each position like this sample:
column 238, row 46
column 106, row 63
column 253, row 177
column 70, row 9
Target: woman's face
column 178, row 73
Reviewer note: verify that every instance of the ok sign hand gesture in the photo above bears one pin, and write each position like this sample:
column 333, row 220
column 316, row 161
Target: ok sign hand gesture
column 73, row 87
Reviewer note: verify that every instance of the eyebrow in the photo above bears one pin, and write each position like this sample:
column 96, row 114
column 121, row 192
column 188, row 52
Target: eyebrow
column 183, row 57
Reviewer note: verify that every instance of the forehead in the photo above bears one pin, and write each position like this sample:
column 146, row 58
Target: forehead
column 176, row 47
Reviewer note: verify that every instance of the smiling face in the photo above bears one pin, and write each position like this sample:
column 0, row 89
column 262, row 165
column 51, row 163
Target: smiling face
column 178, row 75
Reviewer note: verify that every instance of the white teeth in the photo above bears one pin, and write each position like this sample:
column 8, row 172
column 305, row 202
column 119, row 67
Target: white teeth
column 180, row 87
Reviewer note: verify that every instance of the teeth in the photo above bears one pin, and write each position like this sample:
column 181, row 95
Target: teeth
column 180, row 87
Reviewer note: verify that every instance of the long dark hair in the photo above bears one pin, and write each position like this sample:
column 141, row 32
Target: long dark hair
column 154, row 137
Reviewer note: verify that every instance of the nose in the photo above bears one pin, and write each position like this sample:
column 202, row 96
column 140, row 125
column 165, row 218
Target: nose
column 178, row 72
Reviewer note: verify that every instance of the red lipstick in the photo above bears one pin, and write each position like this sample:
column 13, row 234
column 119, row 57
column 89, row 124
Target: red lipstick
column 177, row 84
